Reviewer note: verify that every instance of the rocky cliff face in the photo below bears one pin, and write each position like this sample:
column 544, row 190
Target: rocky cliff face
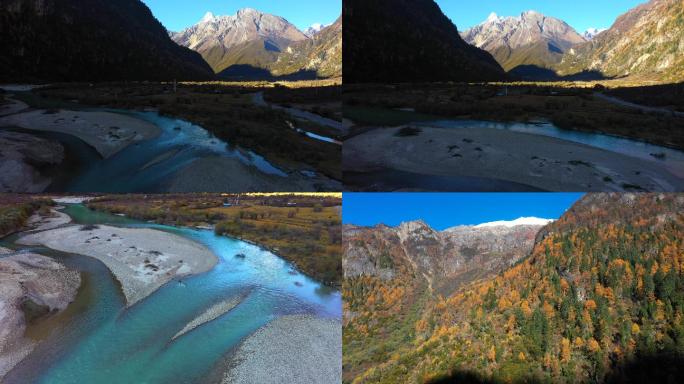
column 529, row 39
column 408, row 41
column 646, row 41
column 25, row 161
column 91, row 40
column 249, row 37
column 446, row 259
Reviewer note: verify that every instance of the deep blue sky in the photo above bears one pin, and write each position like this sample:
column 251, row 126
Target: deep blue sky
column 580, row 14
column 180, row 14
column 444, row 210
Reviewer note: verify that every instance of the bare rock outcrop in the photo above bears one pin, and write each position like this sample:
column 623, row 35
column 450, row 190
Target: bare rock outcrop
column 31, row 286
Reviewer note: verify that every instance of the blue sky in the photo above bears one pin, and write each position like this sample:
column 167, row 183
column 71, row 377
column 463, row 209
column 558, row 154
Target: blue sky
column 180, row 14
column 580, row 14
column 444, row 210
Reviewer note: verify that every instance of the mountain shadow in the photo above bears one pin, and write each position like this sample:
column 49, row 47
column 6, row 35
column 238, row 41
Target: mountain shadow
column 395, row 41
column 554, row 49
column 663, row 95
column 469, row 377
column 537, row 73
column 90, row 40
column 653, row 368
column 246, row 72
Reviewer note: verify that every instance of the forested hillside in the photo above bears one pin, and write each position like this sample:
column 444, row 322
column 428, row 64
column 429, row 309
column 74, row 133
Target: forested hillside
column 600, row 298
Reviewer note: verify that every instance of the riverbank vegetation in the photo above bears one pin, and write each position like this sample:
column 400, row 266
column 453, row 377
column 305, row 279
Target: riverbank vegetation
column 16, row 209
column 568, row 105
column 322, row 101
column 304, row 229
column 227, row 110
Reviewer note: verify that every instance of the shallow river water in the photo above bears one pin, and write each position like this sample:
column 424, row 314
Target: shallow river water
column 106, row 343
column 148, row 165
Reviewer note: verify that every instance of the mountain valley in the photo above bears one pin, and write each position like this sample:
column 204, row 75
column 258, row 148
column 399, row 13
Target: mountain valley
column 593, row 296
column 529, row 104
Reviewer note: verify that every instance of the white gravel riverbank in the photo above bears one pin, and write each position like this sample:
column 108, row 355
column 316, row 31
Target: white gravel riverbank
column 142, row 259
column 291, row 349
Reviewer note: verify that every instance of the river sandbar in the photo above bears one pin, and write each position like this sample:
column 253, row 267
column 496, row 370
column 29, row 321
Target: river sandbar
column 107, row 132
column 212, row 313
column 542, row 162
column 141, row 259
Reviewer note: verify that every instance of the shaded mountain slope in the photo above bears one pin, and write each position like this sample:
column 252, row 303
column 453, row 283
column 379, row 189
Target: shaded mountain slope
column 408, row 41
column 71, row 40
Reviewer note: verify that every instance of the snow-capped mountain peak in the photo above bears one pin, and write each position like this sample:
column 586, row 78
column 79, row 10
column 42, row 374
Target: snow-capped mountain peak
column 510, row 39
column 207, row 17
column 314, row 29
column 530, row 13
column 492, row 17
column 516, row 222
column 590, row 33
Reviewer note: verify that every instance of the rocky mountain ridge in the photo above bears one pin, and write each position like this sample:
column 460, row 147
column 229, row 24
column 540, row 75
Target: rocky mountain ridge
column 445, row 259
column 249, row 37
column 529, row 39
column 255, row 44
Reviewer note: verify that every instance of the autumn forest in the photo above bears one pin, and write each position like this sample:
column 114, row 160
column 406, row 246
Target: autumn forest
column 600, row 298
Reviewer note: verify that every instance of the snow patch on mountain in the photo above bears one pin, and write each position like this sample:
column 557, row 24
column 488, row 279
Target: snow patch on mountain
column 492, row 18
column 516, row 222
column 314, row 29
column 207, row 17
column 590, row 33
